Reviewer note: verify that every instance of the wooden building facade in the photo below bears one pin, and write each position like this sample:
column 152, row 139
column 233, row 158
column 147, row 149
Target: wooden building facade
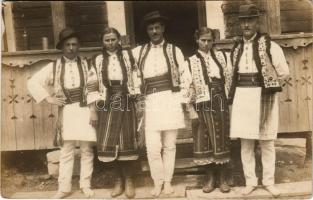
column 31, row 32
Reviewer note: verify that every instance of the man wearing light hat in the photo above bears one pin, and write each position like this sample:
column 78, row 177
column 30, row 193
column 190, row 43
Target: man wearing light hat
column 165, row 76
column 259, row 67
column 67, row 84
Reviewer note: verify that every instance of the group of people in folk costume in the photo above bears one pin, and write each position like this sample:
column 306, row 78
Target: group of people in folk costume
column 97, row 104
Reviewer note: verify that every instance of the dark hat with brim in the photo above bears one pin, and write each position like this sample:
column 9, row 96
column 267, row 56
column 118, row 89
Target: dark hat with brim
column 64, row 35
column 152, row 17
column 248, row 11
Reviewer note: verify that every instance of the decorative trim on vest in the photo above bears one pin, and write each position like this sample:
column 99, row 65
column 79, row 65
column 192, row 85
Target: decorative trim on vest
column 201, row 80
column 263, row 60
column 128, row 65
column 58, row 79
column 169, row 51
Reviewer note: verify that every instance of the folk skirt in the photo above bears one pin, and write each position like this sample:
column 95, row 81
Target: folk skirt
column 211, row 138
column 116, row 136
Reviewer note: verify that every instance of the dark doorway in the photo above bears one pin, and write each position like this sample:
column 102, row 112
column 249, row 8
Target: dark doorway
column 183, row 22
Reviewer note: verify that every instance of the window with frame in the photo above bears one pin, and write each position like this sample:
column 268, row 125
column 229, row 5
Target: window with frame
column 32, row 21
column 36, row 24
column 88, row 18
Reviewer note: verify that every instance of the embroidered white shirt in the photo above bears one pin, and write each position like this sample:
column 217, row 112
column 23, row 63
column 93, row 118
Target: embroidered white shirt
column 155, row 63
column 40, row 84
column 114, row 67
column 247, row 63
column 212, row 68
column 71, row 74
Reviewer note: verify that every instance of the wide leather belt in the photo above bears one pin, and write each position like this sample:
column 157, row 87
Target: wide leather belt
column 249, row 79
column 115, row 82
column 73, row 95
column 157, row 84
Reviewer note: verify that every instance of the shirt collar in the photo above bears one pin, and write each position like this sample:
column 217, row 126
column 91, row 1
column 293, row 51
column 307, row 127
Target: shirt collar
column 203, row 54
column 160, row 45
column 250, row 40
column 112, row 53
column 67, row 60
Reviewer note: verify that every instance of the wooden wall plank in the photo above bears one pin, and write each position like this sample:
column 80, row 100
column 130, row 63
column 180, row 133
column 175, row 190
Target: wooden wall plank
column 43, row 124
column 308, row 68
column 296, row 15
column 295, row 4
column 8, row 137
column 302, row 107
column 296, row 26
column 23, row 109
column 9, row 26
column 285, row 96
column 293, row 106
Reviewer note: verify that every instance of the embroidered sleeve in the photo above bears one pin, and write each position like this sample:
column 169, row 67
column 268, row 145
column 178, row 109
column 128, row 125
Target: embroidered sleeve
column 40, row 85
column 136, row 52
column 228, row 74
column 185, row 75
column 96, row 91
column 92, row 86
column 137, row 75
column 279, row 61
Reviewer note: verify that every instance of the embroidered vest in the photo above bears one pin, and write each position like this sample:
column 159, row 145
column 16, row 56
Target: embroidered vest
column 129, row 69
column 262, row 57
column 171, row 60
column 58, row 79
column 200, row 78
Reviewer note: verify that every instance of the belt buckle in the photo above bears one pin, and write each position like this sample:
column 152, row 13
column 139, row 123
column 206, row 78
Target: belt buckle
column 252, row 79
column 110, row 83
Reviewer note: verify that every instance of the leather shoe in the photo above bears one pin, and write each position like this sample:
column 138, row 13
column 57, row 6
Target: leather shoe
column 273, row 190
column 247, row 190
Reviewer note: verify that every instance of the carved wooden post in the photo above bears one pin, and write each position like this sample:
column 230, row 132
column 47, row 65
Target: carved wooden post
column 9, row 26
column 273, row 17
column 58, row 18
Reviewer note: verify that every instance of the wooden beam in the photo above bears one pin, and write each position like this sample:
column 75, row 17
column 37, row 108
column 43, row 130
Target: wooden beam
column 130, row 26
column 116, row 15
column 273, row 17
column 9, row 26
column 58, row 18
column 202, row 16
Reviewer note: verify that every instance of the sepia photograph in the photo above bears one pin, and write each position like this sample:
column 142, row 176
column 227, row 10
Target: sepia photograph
column 156, row 99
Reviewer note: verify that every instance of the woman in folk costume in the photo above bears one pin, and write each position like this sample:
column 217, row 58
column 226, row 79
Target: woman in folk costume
column 211, row 79
column 116, row 137
column 259, row 67
column 66, row 83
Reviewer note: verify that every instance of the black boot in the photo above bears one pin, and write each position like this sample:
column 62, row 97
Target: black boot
column 129, row 183
column 224, row 187
column 209, row 186
column 118, row 184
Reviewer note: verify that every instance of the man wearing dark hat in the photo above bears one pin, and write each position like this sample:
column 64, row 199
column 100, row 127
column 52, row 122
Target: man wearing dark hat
column 67, row 83
column 165, row 77
column 259, row 67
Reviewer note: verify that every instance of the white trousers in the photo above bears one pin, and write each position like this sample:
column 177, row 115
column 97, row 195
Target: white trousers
column 248, row 161
column 161, row 151
column 67, row 164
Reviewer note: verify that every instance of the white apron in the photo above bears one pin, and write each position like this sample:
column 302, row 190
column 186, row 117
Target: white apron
column 251, row 120
column 76, row 123
column 163, row 111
